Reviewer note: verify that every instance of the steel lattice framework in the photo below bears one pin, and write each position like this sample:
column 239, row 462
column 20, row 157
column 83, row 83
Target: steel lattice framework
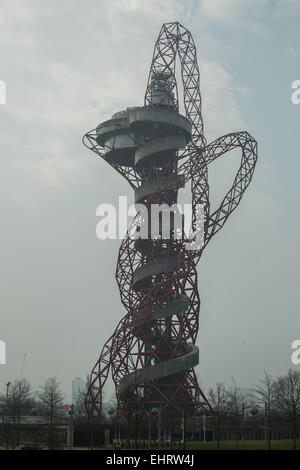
column 152, row 352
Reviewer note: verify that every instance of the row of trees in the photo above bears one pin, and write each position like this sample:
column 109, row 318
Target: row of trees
column 48, row 402
column 275, row 408
column 22, row 400
column 276, row 399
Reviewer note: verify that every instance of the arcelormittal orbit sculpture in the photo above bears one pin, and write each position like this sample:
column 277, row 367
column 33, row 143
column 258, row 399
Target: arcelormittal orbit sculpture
column 153, row 352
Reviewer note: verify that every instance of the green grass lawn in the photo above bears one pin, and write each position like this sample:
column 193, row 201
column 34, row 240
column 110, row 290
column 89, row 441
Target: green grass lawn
column 283, row 444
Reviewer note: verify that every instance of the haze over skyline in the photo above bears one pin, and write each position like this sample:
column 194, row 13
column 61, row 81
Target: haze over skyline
column 69, row 65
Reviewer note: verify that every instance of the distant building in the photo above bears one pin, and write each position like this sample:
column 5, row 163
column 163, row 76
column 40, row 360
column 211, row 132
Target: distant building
column 48, row 383
column 77, row 388
column 26, row 382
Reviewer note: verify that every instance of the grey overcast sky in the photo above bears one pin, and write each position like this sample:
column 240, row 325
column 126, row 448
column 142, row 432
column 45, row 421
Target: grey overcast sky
column 70, row 64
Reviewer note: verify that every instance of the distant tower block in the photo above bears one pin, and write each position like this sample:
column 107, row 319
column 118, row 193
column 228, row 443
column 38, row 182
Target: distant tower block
column 152, row 353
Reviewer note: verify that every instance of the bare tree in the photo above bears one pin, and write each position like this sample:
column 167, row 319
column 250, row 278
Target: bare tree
column 236, row 409
column 287, row 398
column 20, row 393
column 265, row 397
column 51, row 398
column 80, row 412
column 219, row 401
column 17, row 399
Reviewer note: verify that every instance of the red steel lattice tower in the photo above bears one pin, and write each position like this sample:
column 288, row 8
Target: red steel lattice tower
column 152, row 353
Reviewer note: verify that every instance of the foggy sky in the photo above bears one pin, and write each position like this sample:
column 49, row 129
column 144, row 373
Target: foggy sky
column 68, row 65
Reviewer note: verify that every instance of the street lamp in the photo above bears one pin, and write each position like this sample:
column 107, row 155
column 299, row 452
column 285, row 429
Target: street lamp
column 7, row 392
column 202, row 412
column 152, row 411
column 7, row 389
